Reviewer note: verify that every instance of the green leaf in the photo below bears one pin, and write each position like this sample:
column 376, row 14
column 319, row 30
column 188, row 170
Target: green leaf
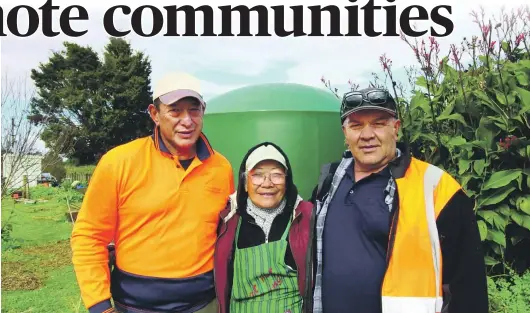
column 500, row 222
column 429, row 137
column 520, row 182
column 454, row 117
column 448, row 109
column 457, row 141
column 494, row 219
column 463, row 166
column 523, row 204
column 421, row 102
column 527, row 171
column 505, row 47
column 490, row 198
column 521, row 78
column 500, row 123
column 483, row 229
column 525, row 63
column 479, row 166
column 522, row 152
column 500, row 97
column 524, row 95
column 501, row 178
column 483, row 59
column 421, row 82
column 480, row 144
column 497, row 249
column 523, row 111
column 490, row 261
column 474, row 144
column 491, row 104
column 487, row 215
column 486, row 130
column 465, row 180
column 497, row 237
column 505, row 210
column 521, row 220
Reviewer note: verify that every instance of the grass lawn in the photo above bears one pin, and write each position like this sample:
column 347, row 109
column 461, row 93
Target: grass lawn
column 83, row 169
column 37, row 273
column 38, row 276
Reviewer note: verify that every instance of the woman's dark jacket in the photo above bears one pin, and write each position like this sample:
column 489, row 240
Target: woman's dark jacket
column 252, row 235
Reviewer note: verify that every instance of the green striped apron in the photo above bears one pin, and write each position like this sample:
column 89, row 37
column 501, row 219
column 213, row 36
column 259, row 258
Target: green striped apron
column 262, row 282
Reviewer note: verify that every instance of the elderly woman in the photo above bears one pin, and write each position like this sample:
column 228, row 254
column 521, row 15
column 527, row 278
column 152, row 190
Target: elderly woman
column 263, row 238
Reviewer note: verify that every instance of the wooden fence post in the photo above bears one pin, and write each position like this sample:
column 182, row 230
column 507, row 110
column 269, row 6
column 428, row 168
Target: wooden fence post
column 25, row 184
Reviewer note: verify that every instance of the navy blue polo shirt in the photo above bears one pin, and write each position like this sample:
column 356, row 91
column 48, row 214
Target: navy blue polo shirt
column 355, row 241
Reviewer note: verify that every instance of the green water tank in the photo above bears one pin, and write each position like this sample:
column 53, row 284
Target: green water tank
column 302, row 120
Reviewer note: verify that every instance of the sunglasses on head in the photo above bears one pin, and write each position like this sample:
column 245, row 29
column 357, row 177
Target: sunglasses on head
column 379, row 98
column 356, row 98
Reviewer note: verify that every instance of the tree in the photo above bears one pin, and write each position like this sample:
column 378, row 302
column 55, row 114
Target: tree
column 20, row 153
column 102, row 103
column 54, row 165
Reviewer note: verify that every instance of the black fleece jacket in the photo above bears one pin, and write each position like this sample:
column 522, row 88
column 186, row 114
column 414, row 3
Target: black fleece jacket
column 463, row 273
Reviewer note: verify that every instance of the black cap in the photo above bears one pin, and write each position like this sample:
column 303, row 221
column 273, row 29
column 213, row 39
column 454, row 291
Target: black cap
column 367, row 99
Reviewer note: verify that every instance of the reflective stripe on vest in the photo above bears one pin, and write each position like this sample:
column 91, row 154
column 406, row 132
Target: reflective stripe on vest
column 413, row 281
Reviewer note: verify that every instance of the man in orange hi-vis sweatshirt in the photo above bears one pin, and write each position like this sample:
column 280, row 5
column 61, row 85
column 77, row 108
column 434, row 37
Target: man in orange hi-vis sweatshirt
column 158, row 198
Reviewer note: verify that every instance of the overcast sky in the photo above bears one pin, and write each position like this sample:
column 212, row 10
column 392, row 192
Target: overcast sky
column 226, row 63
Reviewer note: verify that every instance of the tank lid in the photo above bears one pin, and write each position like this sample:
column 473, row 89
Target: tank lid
column 274, row 97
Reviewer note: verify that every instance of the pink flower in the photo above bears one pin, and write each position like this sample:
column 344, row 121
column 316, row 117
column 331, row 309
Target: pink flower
column 386, row 63
column 435, row 46
column 507, row 142
column 485, row 30
column 454, row 54
column 432, row 40
column 492, row 45
column 519, row 38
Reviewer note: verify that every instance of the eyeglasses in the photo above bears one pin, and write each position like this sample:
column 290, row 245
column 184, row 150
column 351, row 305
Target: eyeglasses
column 259, row 178
column 177, row 112
column 379, row 98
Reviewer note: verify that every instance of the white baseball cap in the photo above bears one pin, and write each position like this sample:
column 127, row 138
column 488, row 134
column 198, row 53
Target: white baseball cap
column 262, row 153
column 177, row 85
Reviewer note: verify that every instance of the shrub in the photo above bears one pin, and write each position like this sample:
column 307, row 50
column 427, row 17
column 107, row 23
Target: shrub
column 472, row 118
column 53, row 164
column 509, row 293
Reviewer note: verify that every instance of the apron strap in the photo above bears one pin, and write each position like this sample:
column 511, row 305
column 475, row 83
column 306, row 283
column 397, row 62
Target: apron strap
column 237, row 230
column 287, row 228
column 285, row 232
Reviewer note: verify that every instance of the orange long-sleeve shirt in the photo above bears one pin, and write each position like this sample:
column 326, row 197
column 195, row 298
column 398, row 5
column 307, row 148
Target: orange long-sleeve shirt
column 163, row 220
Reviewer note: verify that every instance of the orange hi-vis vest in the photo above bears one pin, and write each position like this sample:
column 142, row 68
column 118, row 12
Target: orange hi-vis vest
column 413, row 280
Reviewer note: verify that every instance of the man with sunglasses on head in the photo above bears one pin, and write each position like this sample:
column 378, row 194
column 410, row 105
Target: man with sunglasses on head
column 158, row 198
column 393, row 234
